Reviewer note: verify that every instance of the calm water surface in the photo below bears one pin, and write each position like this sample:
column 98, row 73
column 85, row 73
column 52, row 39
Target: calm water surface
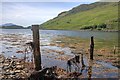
column 81, row 34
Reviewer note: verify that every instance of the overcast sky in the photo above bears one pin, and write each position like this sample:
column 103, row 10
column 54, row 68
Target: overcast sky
column 28, row 13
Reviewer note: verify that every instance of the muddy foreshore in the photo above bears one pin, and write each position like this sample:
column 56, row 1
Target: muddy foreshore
column 60, row 48
column 102, row 53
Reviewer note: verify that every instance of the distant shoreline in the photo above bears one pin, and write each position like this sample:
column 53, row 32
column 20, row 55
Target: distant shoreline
column 75, row 30
column 85, row 30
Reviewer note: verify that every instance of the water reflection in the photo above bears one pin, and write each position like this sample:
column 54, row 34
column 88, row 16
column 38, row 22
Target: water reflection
column 90, row 69
column 82, row 61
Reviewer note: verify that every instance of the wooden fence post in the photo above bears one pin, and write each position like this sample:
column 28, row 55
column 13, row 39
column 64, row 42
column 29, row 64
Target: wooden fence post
column 91, row 48
column 36, row 47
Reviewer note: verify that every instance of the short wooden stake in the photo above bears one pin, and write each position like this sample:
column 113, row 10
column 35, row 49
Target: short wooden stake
column 91, row 48
column 114, row 50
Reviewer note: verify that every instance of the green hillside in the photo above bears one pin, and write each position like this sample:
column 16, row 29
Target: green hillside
column 98, row 15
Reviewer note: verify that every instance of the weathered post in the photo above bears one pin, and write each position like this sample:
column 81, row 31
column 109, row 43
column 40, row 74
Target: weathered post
column 91, row 48
column 36, row 47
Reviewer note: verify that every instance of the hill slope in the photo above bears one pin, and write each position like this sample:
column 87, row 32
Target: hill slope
column 98, row 15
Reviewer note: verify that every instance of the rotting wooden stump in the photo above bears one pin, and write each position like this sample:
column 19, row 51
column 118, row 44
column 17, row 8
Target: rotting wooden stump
column 44, row 74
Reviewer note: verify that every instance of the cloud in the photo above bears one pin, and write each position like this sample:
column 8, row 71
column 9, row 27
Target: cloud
column 60, row 0
column 109, row 0
column 28, row 13
column 49, row 0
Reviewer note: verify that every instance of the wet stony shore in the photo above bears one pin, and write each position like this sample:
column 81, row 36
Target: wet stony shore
column 59, row 49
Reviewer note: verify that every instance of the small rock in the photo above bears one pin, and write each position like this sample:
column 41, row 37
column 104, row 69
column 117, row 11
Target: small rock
column 19, row 51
